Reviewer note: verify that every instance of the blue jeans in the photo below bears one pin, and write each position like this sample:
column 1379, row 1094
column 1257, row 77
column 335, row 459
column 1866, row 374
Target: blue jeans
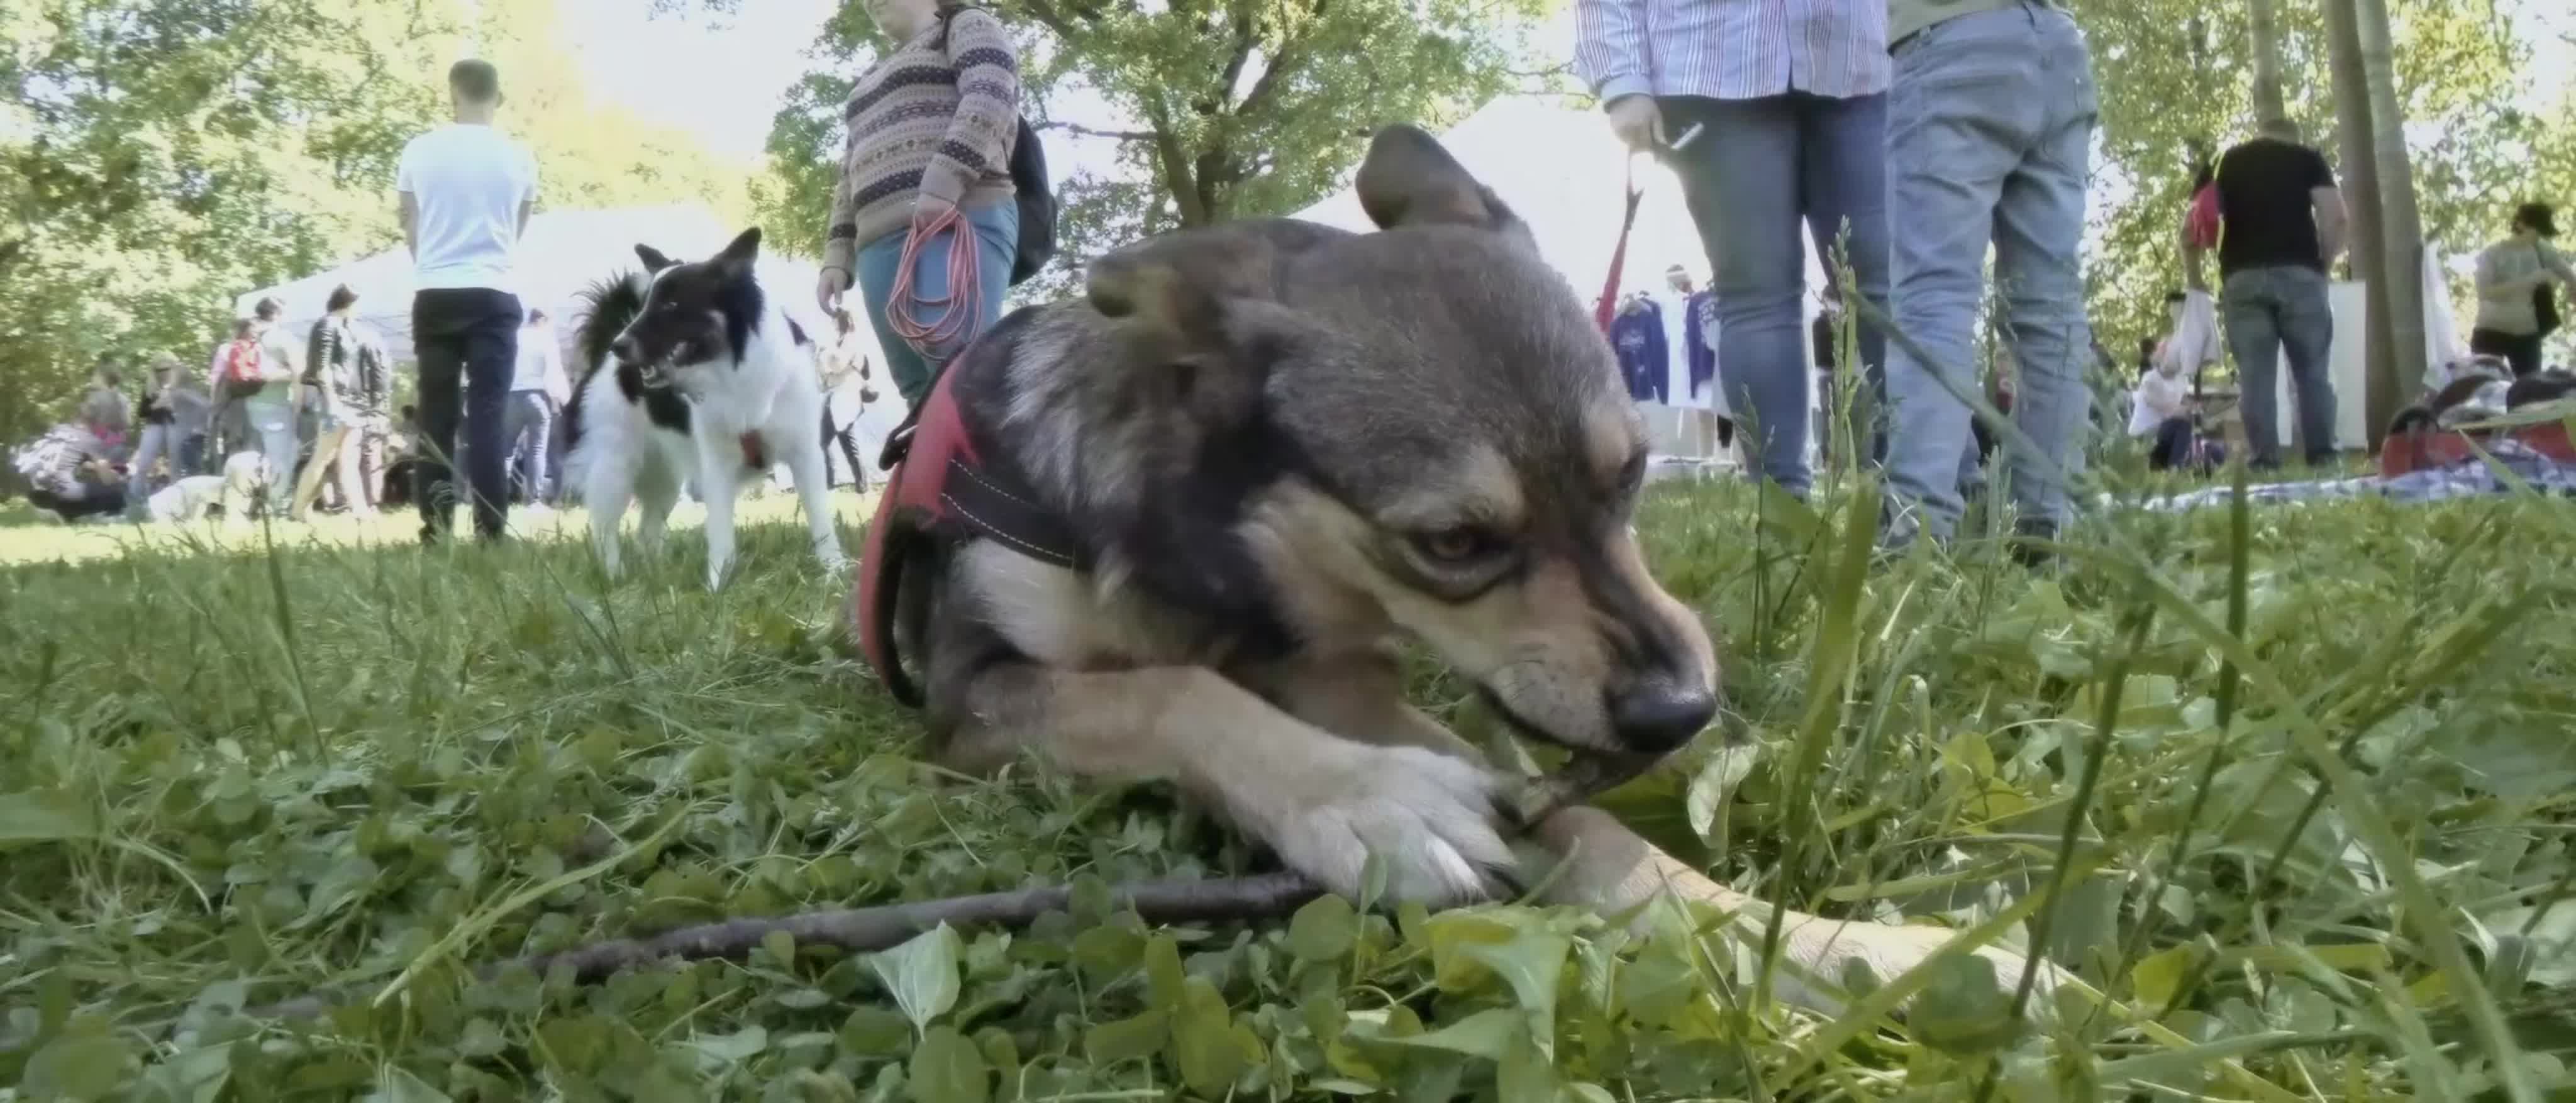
column 1757, row 169
column 997, row 234
column 2268, row 310
column 530, row 429
column 274, row 425
column 1989, row 129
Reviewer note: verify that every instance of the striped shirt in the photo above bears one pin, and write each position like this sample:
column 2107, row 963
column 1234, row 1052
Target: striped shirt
column 937, row 116
column 1731, row 49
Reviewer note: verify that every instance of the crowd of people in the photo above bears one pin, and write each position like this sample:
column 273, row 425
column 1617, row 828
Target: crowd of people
column 276, row 426
column 1976, row 118
column 1821, row 115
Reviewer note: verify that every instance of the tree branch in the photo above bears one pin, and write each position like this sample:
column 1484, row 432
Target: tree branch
column 865, row 930
column 1081, row 131
column 1052, row 17
column 1178, row 178
column 1285, row 63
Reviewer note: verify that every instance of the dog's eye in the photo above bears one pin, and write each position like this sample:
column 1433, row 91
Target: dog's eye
column 1454, row 546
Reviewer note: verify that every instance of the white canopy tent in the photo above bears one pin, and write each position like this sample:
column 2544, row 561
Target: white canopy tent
column 563, row 254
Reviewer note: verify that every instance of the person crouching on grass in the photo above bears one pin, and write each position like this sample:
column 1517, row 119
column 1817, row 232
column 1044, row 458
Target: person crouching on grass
column 928, row 160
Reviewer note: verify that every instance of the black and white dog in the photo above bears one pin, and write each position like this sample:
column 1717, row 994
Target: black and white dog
column 694, row 373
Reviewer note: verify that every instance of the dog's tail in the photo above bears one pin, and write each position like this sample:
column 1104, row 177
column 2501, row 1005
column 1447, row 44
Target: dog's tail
column 607, row 307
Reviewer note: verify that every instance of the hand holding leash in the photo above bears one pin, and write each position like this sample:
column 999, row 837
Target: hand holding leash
column 1637, row 121
column 955, row 324
column 828, row 289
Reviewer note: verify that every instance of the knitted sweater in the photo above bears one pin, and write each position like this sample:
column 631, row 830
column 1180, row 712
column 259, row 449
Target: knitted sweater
column 935, row 117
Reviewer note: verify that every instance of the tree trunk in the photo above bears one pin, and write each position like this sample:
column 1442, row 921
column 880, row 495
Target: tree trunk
column 2401, row 227
column 2385, row 391
column 2263, row 26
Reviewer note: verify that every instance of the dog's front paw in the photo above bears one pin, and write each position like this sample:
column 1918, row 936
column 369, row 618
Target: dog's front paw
column 1429, row 817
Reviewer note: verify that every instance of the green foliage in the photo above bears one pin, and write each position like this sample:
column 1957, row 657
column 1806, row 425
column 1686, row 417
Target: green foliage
column 498, row 753
column 159, row 157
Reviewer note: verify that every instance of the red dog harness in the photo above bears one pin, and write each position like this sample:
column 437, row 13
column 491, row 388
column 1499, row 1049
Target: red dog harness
column 943, row 487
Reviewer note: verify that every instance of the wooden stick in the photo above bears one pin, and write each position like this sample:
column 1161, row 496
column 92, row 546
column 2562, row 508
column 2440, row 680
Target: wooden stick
column 863, row 930
column 1611, row 868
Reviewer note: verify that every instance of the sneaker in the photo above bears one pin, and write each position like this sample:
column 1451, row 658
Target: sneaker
column 2027, row 545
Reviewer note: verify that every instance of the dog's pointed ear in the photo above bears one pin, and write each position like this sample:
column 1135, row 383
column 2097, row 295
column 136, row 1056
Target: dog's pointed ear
column 1183, row 286
column 653, row 259
column 1408, row 179
column 738, row 256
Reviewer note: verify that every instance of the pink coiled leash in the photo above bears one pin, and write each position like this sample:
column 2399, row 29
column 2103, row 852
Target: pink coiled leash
column 957, row 324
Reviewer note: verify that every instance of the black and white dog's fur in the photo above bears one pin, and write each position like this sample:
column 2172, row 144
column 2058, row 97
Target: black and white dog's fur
column 693, row 371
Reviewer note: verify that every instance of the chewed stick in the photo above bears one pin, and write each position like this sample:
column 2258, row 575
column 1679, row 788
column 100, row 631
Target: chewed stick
column 1597, row 862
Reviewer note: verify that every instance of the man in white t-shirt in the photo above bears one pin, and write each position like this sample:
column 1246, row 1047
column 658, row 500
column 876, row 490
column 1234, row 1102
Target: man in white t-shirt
column 467, row 191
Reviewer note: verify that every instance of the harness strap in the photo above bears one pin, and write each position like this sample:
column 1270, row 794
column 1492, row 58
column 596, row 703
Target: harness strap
column 1607, row 308
column 939, row 485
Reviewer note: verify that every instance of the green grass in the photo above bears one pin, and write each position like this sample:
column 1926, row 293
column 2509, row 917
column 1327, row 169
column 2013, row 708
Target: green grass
column 232, row 773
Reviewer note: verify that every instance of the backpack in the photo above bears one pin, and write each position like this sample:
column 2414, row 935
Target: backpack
column 1029, row 185
column 243, row 374
column 2202, row 224
column 2544, row 302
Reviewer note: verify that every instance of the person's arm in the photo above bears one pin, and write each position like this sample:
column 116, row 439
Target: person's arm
column 2334, row 225
column 406, row 203
column 2554, row 262
column 841, row 224
column 528, row 203
column 2193, row 273
column 1610, row 49
column 325, row 361
column 988, row 109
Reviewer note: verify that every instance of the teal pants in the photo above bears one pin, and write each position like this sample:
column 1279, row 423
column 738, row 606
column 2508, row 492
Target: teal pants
column 997, row 235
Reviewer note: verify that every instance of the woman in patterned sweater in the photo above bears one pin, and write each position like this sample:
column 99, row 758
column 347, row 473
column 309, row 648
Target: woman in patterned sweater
column 923, row 216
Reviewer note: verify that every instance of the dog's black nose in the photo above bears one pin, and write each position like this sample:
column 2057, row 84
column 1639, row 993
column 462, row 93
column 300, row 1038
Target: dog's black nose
column 623, row 348
column 1658, row 715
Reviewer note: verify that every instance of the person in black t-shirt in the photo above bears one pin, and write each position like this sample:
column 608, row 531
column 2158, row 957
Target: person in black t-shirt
column 2281, row 222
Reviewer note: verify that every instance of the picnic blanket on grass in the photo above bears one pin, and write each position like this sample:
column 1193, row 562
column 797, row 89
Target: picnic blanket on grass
column 2467, row 479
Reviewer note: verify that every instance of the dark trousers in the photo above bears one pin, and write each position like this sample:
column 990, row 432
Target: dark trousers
column 95, row 501
column 844, row 438
column 192, row 455
column 2522, row 351
column 467, row 340
column 2173, row 444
